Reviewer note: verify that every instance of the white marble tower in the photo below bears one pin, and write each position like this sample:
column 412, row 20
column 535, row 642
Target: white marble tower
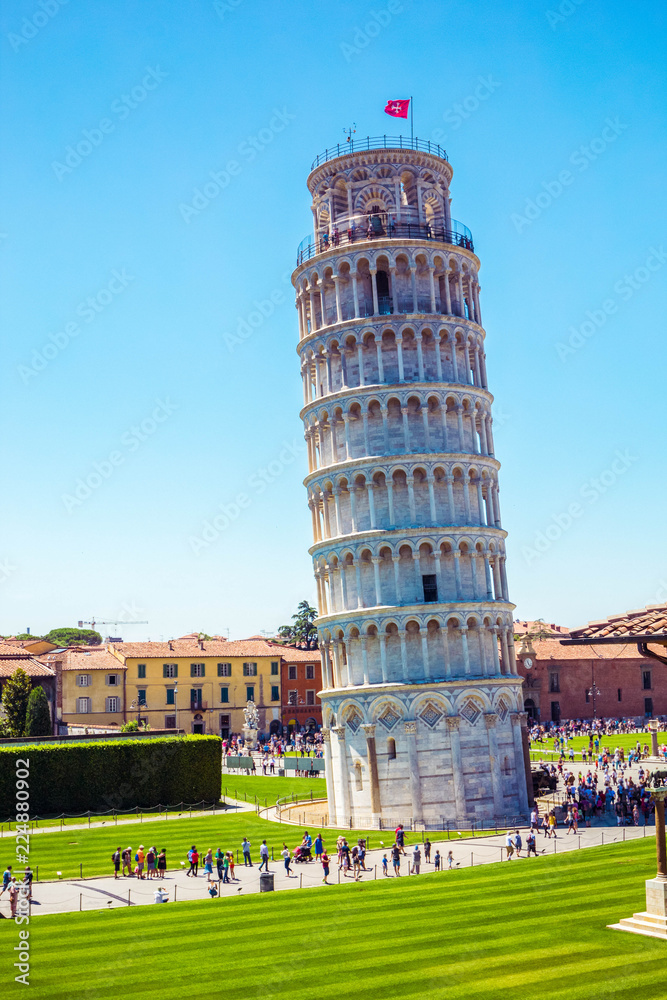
column 421, row 699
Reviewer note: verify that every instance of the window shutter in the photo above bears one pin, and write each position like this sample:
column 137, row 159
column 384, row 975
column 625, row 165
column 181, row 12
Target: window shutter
column 76, row 680
column 107, row 708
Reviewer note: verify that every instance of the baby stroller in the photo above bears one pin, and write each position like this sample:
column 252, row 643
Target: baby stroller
column 302, row 854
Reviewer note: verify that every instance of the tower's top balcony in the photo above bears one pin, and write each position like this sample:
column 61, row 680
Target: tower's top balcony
column 382, row 225
column 378, row 142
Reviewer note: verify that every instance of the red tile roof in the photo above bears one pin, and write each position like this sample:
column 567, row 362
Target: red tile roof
column 554, row 649
column 191, row 648
column 84, row 658
column 647, row 624
column 32, row 667
column 521, row 627
column 13, row 649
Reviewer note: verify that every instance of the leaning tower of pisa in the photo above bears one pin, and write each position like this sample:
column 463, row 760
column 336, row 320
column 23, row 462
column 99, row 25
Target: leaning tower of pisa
column 421, row 699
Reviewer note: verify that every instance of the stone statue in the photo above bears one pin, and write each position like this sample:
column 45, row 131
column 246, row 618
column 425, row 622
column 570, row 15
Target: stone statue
column 251, row 716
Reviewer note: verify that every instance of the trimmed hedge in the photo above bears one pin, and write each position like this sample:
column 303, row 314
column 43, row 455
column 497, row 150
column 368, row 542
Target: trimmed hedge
column 114, row 774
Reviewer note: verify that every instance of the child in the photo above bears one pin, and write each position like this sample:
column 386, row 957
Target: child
column 450, row 861
column 231, row 866
column 436, row 861
column 324, row 858
column 385, row 865
column 212, row 891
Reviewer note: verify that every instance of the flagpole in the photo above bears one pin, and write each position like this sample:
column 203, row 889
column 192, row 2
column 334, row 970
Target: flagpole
column 412, row 134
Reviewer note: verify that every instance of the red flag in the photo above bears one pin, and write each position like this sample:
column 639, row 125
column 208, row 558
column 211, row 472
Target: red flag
column 397, row 109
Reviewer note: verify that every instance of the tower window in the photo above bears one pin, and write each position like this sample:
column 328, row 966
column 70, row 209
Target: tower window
column 648, row 706
column 391, row 748
column 620, row 692
column 430, row 588
column 554, row 683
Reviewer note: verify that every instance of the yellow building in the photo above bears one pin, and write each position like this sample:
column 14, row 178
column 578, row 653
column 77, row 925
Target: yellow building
column 90, row 686
column 201, row 686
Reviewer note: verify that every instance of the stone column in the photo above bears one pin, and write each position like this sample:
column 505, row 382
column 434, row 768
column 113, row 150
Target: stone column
column 390, row 501
column 352, row 490
column 360, row 360
column 438, row 358
column 494, row 649
column 324, row 657
column 496, row 778
column 376, row 308
column 431, row 496
column 431, row 272
column 457, row 574
column 355, row 295
column 397, row 579
column 385, row 429
column 420, row 356
column 343, row 585
column 455, row 364
column 427, row 432
column 466, row 652
column 383, row 656
column 453, row 723
column 413, row 279
column 406, row 430
column 459, row 422
column 370, row 489
column 411, row 498
column 399, row 356
column 410, row 729
column 524, row 778
column 343, row 813
column 394, row 290
column 448, row 295
column 339, row 312
column 378, row 348
column 404, row 654
column 364, row 658
column 449, row 482
column 328, row 773
column 445, row 648
column 376, row 560
column 376, row 807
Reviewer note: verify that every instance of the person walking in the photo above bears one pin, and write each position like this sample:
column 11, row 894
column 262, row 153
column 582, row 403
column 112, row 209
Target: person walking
column 546, row 828
column 361, row 855
column 534, row 819
column 324, row 858
column 385, row 865
column 127, row 860
column 151, row 858
column 264, row 854
column 416, row 860
column 509, row 845
column 427, row 851
column 553, row 824
column 193, row 857
column 400, row 838
column 115, row 857
column 6, row 878
column 208, row 864
column 396, row 859
column 245, row 847
column 436, row 860
column 219, row 857
column 225, row 867
column 231, row 866
column 518, row 844
column 319, row 847
column 450, row 861
column 530, row 844
column 287, row 859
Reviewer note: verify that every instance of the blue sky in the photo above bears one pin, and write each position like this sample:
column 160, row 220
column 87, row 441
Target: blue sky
column 126, row 359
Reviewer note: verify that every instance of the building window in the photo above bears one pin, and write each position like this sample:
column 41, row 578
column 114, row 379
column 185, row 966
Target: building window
column 555, row 712
column 648, row 706
column 224, row 726
column 224, row 694
column 113, row 704
column 275, row 693
column 141, row 670
column 391, row 748
column 646, row 680
column 430, row 583
column 170, row 722
column 195, row 697
column 249, row 669
column 83, row 680
column 224, row 670
column 83, row 706
column 170, row 669
column 292, row 697
column 171, row 698
column 141, row 698
column 310, row 697
column 250, row 692
column 554, row 683
column 619, row 694
column 275, row 667
column 291, row 672
column 112, row 680
column 588, row 696
column 310, row 672
column 197, row 670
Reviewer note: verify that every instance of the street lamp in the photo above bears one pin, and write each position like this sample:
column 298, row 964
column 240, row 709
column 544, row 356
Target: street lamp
column 593, row 692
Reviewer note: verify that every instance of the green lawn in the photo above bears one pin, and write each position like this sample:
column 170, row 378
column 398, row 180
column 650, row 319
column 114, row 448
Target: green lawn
column 579, row 743
column 515, row 931
column 270, row 787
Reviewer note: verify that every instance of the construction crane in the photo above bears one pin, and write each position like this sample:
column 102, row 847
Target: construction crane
column 105, row 622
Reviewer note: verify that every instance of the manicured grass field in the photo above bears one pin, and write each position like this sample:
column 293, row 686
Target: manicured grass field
column 579, row 743
column 270, row 787
column 514, row 931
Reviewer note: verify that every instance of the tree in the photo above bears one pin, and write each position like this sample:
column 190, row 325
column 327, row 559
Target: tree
column 73, row 637
column 133, row 726
column 302, row 632
column 27, row 635
column 15, row 696
column 38, row 716
column 538, row 631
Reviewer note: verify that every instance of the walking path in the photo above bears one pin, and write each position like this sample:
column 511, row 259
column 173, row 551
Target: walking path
column 105, row 892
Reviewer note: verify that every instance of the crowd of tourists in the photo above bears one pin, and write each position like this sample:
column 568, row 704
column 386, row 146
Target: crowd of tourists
column 15, row 885
column 303, row 744
column 543, row 732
